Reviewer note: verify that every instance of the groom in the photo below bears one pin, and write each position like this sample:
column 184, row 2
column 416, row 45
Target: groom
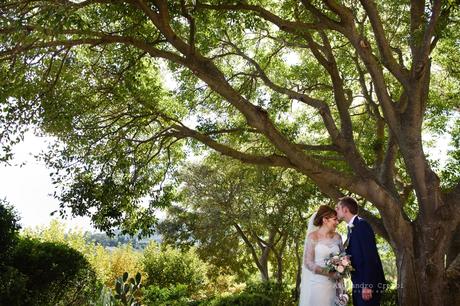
column 368, row 279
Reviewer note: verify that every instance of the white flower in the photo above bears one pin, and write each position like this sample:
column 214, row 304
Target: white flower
column 340, row 269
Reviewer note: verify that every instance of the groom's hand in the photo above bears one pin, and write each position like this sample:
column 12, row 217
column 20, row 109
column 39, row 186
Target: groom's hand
column 367, row 294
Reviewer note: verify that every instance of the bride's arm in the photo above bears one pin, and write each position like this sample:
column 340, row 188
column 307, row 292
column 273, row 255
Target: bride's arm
column 309, row 257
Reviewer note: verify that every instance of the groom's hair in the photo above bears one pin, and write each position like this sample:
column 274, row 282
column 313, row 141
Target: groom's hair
column 350, row 203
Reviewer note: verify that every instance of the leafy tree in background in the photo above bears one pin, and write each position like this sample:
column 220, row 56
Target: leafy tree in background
column 241, row 217
column 9, row 229
column 12, row 282
column 371, row 78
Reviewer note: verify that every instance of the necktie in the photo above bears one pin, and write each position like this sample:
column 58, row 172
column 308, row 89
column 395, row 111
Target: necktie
column 345, row 245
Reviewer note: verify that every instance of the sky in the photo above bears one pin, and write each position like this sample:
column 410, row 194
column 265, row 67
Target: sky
column 28, row 187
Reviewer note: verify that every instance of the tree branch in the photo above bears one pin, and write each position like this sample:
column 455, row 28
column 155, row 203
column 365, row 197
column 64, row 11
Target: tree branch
column 384, row 47
column 318, row 147
column 318, row 104
column 102, row 38
column 249, row 245
column 423, row 52
column 192, row 25
column 285, row 25
column 272, row 160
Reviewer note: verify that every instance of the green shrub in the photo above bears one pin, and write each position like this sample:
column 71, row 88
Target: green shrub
column 243, row 299
column 105, row 298
column 278, row 294
column 256, row 294
column 389, row 297
column 168, row 268
column 54, row 274
column 176, row 295
column 13, row 286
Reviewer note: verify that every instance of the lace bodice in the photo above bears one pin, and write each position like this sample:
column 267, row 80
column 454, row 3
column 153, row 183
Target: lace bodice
column 316, row 251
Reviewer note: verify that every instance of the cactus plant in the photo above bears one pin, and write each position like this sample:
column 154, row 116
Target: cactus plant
column 126, row 289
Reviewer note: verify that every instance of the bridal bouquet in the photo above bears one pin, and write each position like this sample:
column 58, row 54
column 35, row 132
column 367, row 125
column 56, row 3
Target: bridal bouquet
column 339, row 262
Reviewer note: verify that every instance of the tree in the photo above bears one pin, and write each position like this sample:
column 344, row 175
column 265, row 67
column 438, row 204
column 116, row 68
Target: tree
column 369, row 81
column 9, row 229
column 240, row 216
column 12, row 282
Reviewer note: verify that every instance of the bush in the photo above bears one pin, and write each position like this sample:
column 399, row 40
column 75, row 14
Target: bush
column 54, row 274
column 108, row 264
column 389, row 297
column 278, row 294
column 257, row 294
column 243, row 299
column 12, row 286
column 176, row 295
column 169, row 268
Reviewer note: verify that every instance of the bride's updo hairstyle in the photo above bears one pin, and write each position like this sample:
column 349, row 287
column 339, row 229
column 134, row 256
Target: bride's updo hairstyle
column 324, row 211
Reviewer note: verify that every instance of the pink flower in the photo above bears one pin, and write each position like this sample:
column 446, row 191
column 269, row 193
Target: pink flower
column 340, row 269
column 345, row 261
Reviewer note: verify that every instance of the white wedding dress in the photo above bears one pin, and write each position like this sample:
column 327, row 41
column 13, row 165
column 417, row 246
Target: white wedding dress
column 317, row 289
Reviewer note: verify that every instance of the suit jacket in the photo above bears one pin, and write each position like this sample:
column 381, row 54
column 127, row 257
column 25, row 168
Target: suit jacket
column 364, row 256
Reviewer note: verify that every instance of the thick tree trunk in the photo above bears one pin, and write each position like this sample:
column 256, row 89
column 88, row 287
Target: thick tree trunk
column 263, row 265
column 419, row 282
column 263, row 259
column 453, row 270
column 279, row 270
column 408, row 287
column 279, row 258
column 422, row 272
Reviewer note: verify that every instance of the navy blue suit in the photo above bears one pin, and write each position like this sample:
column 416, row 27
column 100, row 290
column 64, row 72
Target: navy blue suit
column 366, row 262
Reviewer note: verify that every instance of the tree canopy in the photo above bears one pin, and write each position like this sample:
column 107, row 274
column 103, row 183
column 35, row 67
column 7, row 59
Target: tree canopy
column 341, row 91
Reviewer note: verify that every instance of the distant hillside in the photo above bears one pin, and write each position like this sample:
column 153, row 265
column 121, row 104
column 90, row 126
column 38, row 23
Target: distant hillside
column 120, row 239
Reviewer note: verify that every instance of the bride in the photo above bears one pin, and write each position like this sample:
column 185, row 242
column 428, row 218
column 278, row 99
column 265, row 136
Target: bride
column 318, row 287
